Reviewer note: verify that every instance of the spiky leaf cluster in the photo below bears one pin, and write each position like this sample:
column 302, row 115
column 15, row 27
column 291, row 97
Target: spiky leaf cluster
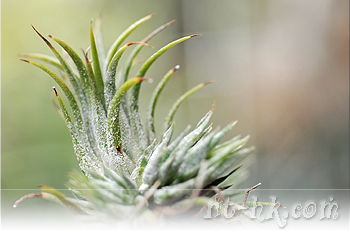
column 128, row 171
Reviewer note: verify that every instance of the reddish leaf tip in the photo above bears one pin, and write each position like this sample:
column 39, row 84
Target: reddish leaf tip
column 169, row 23
column 85, row 55
column 54, row 89
column 144, row 44
column 27, row 61
column 36, row 31
column 213, row 106
column 26, row 197
column 41, row 36
column 208, row 82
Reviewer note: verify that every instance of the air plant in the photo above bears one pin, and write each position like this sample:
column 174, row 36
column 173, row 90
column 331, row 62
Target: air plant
column 127, row 171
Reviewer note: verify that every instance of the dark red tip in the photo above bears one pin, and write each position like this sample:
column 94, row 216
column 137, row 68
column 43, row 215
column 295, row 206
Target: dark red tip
column 41, row 36
column 86, row 57
column 27, row 61
column 54, row 89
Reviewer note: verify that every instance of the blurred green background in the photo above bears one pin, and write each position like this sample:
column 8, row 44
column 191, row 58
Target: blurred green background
column 281, row 69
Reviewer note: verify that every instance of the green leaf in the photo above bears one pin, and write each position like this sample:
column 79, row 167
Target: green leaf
column 65, row 67
column 99, row 41
column 65, row 114
column 122, row 37
column 111, row 72
column 218, row 137
column 86, row 158
column 180, row 100
column 64, row 87
column 164, row 170
column 48, row 59
column 135, row 121
column 76, row 59
column 113, row 127
column 97, row 68
column 193, row 158
column 138, row 48
column 151, row 170
column 147, row 65
column 174, row 144
column 223, row 152
column 98, row 114
column 217, row 169
column 153, row 102
column 160, row 52
column 63, row 199
column 190, row 139
column 177, row 155
column 124, row 76
column 79, row 92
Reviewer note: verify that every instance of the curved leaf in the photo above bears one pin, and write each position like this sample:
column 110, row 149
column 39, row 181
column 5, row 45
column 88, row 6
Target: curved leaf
column 65, row 67
column 135, row 120
column 151, row 108
column 64, row 87
column 97, row 67
column 110, row 88
column 48, row 59
column 137, row 49
column 122, row 37
column 150, row 172
column 180, row 100
column 113, row 127
column 76, row 59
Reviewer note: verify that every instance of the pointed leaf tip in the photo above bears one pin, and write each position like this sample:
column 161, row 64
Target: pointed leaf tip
column 140, row 79
column 27, row 61
column 144, row 44
column 208, row 82
column 41, row 36
column 54, row 89
column 85, row 53
column 26, row 197
column 213, row 107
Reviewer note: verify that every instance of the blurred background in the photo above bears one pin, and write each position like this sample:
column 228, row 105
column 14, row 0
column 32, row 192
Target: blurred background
column 281, row 68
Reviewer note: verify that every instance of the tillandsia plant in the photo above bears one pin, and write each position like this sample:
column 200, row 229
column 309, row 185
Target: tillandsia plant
column 127, row 172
